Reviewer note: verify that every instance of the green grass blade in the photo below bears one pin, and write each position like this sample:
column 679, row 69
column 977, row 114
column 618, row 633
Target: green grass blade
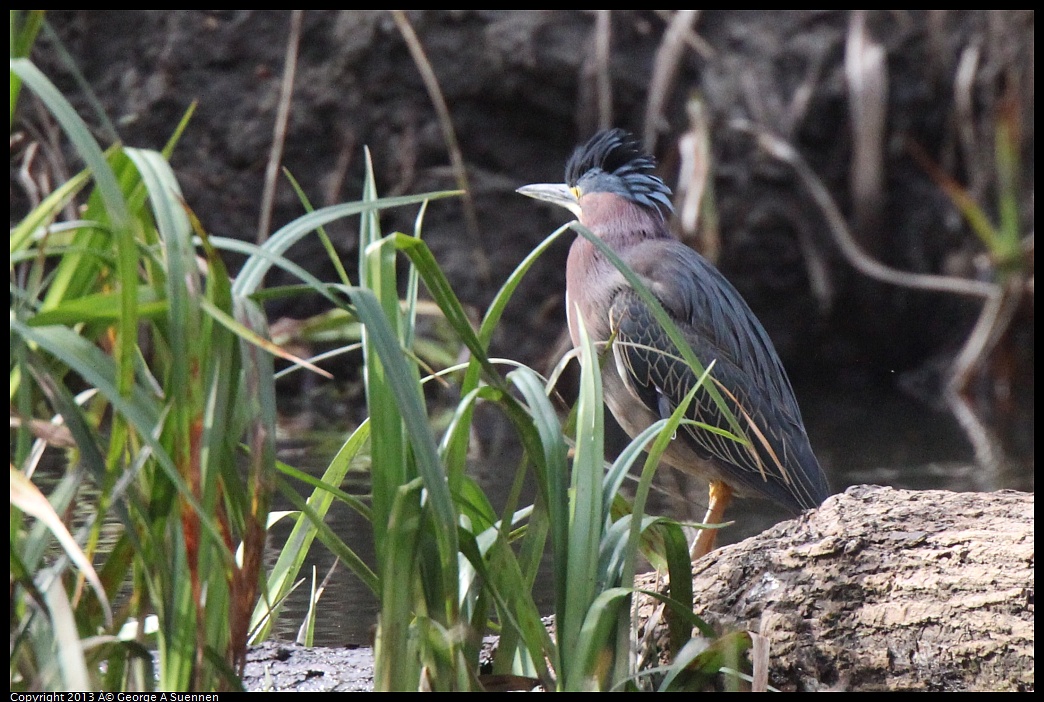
column 411, row 406
column 547, row 448
column 46, row 211
column 294, row 552
column 25, row 25
column 395, row 669
column 585, row 523
column 589, row 670
column 441, row 291
column 115, row 205
column 98, row 370
column 679, row 570
column 254, row 270
column 28, row 498
column 100, row 309
column 328, row 246
column 332, row 542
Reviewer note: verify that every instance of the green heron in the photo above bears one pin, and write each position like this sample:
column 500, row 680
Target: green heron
column 611, row 188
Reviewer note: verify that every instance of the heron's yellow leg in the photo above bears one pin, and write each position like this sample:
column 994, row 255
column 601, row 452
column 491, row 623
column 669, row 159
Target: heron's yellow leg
column 720, row 496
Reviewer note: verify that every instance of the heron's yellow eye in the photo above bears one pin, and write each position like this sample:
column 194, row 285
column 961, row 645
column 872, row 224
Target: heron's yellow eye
column 576, row 192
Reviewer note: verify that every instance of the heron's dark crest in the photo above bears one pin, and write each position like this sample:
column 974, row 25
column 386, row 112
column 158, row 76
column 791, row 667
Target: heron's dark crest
column 614, row 161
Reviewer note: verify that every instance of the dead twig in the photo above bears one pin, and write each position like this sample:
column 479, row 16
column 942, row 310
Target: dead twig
column 53, row 434
column 595, row 83
column 695, row 184
column 759, row 658
column 820, row 279
column 335, row 182
column 994, row 319
column 857, row 258
column 987, row 448
column 449, row 135
column 665, row 71
column 603, row 81
column 275, row 155
column 866, row 74
column 33, row 190
column 693, row 40
column 1001, row 302
column 964, row 107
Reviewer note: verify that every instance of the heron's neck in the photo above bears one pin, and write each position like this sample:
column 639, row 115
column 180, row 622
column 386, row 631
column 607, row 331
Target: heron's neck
column 619, row 222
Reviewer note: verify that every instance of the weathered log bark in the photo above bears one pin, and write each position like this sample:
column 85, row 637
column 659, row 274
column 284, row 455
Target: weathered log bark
column 883, row 589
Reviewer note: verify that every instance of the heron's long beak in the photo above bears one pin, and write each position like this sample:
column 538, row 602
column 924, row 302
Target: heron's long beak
column 556, row 193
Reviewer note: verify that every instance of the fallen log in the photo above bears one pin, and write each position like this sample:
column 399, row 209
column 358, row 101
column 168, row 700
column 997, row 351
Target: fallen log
column 881, row 589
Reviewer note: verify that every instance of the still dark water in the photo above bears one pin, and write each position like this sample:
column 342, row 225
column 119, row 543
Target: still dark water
column 871, row 436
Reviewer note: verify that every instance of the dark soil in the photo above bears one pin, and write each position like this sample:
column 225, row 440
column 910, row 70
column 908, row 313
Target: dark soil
column 523, row 88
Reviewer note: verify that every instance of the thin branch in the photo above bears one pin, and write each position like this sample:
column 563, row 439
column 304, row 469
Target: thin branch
column 695, row 191
column 665, row 70
column 994, row 319
column 335, row 183
column 33, row 190
column 820, row 280
column 603, row 81
column 870, row 267
column 866, row 74
column 988, row 450
column 759, row 657
column 693, row 40
column 1001, row 302
column 449, row 135
column 275, row 155
column 964, row 106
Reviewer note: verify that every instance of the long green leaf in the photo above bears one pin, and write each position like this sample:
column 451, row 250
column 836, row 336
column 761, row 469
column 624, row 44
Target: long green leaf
column 115, row 205
column 411, row 406
column 548, row 450
column 254, row 270
column 28, row 498
column 46, row 211
column 294, row 552
column 141, row 411
column 585, row 522
column 441, row 291
column 590, row 668
column 395, row 669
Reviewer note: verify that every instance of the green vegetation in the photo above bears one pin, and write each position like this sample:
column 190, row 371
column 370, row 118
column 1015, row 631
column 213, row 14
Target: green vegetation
column 135, row 352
